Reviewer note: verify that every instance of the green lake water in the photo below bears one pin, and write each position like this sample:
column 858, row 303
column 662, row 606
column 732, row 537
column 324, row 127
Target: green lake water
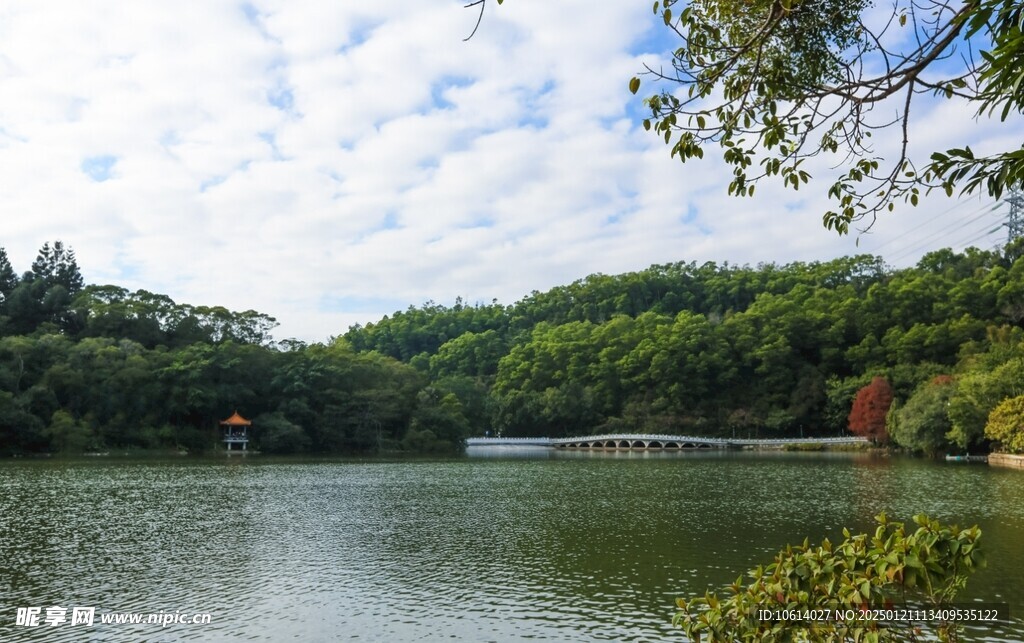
column 502, row 545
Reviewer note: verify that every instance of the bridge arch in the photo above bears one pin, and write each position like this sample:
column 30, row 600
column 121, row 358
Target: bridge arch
column 650, row 441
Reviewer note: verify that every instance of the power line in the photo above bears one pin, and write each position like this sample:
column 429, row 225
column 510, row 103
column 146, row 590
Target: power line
column 959, row 224
column 987, row 227
column 973, row 240
column 931, row 239
column 931, row 221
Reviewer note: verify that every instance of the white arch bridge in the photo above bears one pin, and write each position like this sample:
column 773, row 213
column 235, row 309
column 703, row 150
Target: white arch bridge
column 627, row 441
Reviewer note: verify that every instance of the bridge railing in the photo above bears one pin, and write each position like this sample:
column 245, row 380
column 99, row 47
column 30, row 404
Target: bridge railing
column 656, row 437
column 853, row 439
column 486, row 441
column 643, row 437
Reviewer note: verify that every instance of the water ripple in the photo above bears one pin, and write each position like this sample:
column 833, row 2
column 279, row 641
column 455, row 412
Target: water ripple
column 556, row 548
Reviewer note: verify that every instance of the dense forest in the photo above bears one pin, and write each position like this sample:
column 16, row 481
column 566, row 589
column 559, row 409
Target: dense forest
column 93, row 368
column 683, row 348
column 734, row 350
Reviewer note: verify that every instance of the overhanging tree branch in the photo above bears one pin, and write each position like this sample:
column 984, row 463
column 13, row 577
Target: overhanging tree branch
column 820, row 67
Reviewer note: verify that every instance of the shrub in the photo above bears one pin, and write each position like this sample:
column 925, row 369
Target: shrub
column 1006, row 425
column 925, row 568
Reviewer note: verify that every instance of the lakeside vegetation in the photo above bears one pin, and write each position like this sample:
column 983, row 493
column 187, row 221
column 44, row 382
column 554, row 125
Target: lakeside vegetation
column 864, row 588
column 717, row 350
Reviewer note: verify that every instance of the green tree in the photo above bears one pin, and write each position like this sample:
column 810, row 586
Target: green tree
column 470, row 353
column 8, row 278
column 111, row 311
column 275, row 433
column 977, row 393
column 45, row 292
column 923, row 422
column 689, row 358
column 473, row 395
column 776, row 82
column 20, row 431
column 66, row 434
column 839, row 397
column 1006, row 425
column 56, row 266
column 439, row 423
column 1011, row 295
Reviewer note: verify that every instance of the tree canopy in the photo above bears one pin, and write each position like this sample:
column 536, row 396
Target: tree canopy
column 923, row 422
column 773, row 83
column 698, row 349
column 870, row 406
column 1006, row 424
column 96, row 367
column 725, row 350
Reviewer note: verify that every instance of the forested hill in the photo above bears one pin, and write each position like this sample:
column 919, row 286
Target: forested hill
column 720, row 349
column 708, row 289
column 709, row 349
column 98, row 368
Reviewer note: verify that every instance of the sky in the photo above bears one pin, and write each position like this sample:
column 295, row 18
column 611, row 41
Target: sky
column 328, row 163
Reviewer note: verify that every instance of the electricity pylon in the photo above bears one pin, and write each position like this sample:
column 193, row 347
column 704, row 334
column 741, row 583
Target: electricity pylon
column 1015, row 220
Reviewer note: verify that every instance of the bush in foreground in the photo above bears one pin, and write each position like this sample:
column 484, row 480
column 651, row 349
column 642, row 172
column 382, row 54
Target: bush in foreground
column 925, row 569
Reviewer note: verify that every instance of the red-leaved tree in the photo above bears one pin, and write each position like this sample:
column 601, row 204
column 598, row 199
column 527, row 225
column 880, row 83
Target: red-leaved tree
column 867, row 417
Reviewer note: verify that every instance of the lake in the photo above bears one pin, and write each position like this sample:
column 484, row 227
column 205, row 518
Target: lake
column 504, row 544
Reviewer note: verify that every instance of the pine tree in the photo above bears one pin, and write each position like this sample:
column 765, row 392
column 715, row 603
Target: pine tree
column 42, row 267
column 8, row 278
column 56, row 266
column 68, row 274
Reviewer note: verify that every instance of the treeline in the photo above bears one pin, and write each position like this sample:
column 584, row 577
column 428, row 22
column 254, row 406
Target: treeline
column 95, row 368
column 722, row 350
column 683, row 348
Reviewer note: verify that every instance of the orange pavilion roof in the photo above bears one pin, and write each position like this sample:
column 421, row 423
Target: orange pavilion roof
column 236, row 420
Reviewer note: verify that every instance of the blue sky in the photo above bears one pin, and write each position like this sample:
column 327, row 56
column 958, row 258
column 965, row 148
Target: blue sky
column 328, row 163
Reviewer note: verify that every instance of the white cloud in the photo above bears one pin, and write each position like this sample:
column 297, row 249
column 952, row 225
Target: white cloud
column 323, row 162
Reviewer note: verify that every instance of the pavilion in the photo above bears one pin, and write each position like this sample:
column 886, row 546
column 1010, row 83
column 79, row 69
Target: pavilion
column 236, row 431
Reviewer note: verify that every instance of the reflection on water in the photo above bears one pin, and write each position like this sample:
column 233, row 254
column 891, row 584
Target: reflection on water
column 518, row 544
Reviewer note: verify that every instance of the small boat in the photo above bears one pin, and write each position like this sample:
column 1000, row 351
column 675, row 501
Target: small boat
column 966, row 458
